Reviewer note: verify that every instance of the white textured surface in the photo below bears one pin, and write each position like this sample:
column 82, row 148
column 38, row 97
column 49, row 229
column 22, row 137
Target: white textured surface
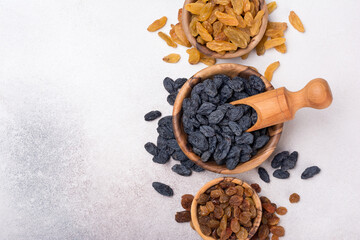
column 76, row 78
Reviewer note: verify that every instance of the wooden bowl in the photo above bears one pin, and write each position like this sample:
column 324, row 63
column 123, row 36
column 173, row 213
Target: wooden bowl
column 231, row 70
column 208, row 185
column 186, row 18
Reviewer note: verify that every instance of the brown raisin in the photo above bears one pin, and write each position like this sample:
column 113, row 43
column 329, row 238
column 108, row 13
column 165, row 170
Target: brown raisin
column 244, row 217
column 269, row 207
column 183, row 216
column 242, row 234
column 277, row 230
column 210, row 206
column 248, row 192
column 213, row 224
column 205, row 230
column 256, row 187
column 218, row 212
column 240, row 190
column 235, row 225
column 294, row 198
column 203, row 219
column 204, row 211
column 281, row 210
column 186, row 201
column 274, row 220
column 231, row 191
column 235, row 200
column 263, row 232
column 203, row 198
column 227, row 211
column 215, row 193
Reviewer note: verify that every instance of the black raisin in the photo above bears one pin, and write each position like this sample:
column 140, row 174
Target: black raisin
column 207, row 131
column 216, row 116
column 172, row 143
column 231, row 163
column 214, row 100
column 181, row 170
column 222, row 150
column 197, row 168
column 263, row 174
column 162, row 157
column 281, row 174
column 163, row 189
column 187, row 163
column 218, row 82
column 179, row 83
column 245, row 122
column 237, row 84
column 223, row 77
column 197, row 151
column 235, row 114
column 210, row 88
column 245, row 148
column 150, row 116
column 165, row 132
column 236, row 128
column 245, row 138
column 198, row 140
column 226, row 131
column 245, row 157
column 202, row 119
column 212, row 144
column 279, row 158
column 179, row 156
column 204, row 97
column 206, row 108
column 198, row 88
column 169, row 85
column 151, row 148
column 310, row 172
column 206, row 156
column 161, row 142
column 234, row 152
column 261, row 141
column 225, row 93
column 290, row 161
column 165, row 121
column 257, row 83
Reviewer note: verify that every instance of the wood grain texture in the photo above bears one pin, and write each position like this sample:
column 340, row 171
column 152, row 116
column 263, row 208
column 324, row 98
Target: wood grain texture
column 280, row 105
column 231, row 70
column 186, row 18
column 213, row 182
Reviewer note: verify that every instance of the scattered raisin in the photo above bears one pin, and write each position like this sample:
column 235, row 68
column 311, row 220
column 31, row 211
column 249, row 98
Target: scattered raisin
column 294, row 198
column 183, row 216
column 186, row 201
column 281, row 210
column 277, row 230
column 256, row 187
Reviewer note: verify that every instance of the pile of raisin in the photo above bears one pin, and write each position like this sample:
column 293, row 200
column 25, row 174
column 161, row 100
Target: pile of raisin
column 215, row 128
column 226, row 211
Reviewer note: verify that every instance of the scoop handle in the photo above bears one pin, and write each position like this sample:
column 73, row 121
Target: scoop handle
column 316, row 94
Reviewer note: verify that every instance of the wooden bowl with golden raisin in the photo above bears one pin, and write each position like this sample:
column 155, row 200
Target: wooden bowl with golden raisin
column 224, row 28
column 226, row 207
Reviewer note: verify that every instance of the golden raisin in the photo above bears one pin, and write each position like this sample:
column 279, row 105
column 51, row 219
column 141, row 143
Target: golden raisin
column 281, row 210
column 236, row 36
column 245, row 56
column 219, row 46
column 200, row 40
column 186, row 201
column 221, row 37
column 294, row 198
column 296, row 22
column 192, row 26
column 277, row 230
column 222, row 2
column 248, row 18
column 194, row 8
column 274, row 42
column 181, row 34
column 167, row 39
column 247, row 5
column 270, row 70
column 281, row 48
column 238, row 6
column 277, row 25
column 255, row 28
column 206, row 11
column 217, row 27
column 242, row 23
column 157, row 24
column 271, row 6
column 274, row 33
column 208, row 27
column 172, row 58
column 203, row 32
column 209, row 61
column 194, row 55
column 180, row 15
column 260, row 49
column 226, row 19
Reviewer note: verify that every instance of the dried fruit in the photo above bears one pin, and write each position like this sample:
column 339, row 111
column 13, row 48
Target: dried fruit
column 310, row 172
column 157, row 24
column 208, row 27
column 277, row 230
column 163, row 189
column 260, row 49
column 247, row 5
column 186, row 201
column 245, row 56
column 192, row 26
column 281, row 174
column 235, row 225
column 263, row 231
column 274, row 33
column 203, row 32
column 296, row 22
column 236, row 36
column 277, row 25
column 248, row 18
column 150, row 116
column 255, row 28
column 172, row 58
column 194, row 55
column 270, row 70
column 181, row 35
column 206, row 11
column 209, row 61
column 256, row 187
column 281, row 210
column 271, row 6
column 294, row 198
column 227, row 19
column 290, row 161
column 281, row 48
column 180, row 15
column 194, row 8
column 219, row 46
column 242, row 234
column 167, row 39
column 264, row 175
column 274, row 42
column 279, row 158
column 181, row 170
column 238, row 6
column 222, row 2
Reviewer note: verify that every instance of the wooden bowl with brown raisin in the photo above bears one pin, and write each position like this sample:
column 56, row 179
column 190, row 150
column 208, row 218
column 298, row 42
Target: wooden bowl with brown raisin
column 226, row 208
column 224, row 28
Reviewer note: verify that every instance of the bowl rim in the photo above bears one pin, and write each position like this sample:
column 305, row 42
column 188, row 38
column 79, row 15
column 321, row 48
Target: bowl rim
column 181, row 137
column 185, row 21
column 213, row 182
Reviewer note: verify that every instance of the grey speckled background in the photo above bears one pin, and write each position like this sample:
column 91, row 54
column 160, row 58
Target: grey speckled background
column 77, row 77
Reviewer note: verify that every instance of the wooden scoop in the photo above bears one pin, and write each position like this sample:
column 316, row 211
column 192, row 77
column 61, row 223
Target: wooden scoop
column 280, row 105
